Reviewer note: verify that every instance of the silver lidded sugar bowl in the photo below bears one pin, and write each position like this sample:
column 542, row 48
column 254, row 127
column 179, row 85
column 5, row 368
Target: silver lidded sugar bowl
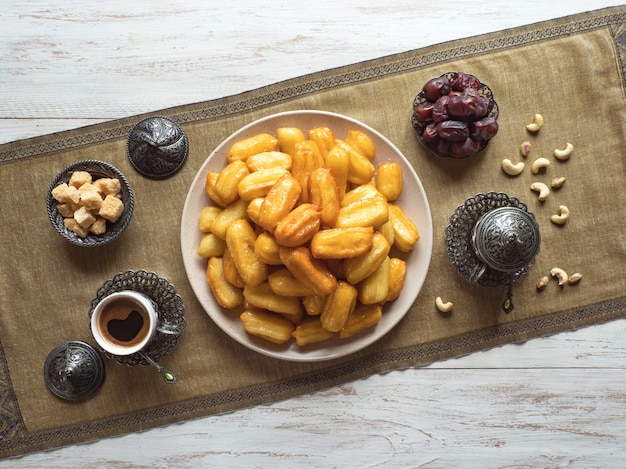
column 492, row 240
column 505, row 239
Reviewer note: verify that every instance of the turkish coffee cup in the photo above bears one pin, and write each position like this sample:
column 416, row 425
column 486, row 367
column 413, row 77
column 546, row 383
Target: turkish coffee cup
column 124, row 322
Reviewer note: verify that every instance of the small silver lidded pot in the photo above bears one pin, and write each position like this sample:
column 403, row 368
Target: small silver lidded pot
column 506, row 239
column 492, row 240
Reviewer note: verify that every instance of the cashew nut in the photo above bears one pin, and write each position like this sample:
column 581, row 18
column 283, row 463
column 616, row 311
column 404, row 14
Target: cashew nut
column 512, row 169
column 542, row 283
column 538, row 164
column 565, row 153
column 524, row 148
column 562, row 217
column 443, row 307
column 560, row 275
column 558, row 182
column 543, row 190
column 536, row 125
column 575, row 278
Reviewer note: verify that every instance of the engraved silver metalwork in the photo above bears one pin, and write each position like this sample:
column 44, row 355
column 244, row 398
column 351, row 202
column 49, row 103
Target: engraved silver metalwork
column 157, row 147
column 492, row 240
column 497, row 249
column 97, row 169
column 506, row 239
column 168, row 376
column 170, row 306
column 73, row 370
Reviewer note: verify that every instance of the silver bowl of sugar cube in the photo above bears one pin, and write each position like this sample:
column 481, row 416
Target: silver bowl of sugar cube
column 90, row 203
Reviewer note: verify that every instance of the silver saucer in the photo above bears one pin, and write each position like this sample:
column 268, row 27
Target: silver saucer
column 459, row 244
column 171, row 313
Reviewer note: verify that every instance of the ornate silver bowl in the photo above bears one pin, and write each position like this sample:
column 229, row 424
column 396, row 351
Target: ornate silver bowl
column 492, row 240
column 97, row 169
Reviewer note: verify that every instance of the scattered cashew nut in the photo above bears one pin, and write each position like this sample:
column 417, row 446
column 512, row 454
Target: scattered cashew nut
column 558, row 182
column 536, row 125
column 538, row 164
column 560, row 275
column 575, row 278
column 512, row 169
column 565, row 153
column 542, row 283
column 562, row 217
column 524, row 148
column 544, row 191
column 443, row 307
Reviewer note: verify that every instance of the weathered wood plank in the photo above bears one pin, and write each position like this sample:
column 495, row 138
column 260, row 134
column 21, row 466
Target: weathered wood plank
column 485, row 418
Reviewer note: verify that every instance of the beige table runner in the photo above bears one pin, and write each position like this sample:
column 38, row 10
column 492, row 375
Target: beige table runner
column 571, row 70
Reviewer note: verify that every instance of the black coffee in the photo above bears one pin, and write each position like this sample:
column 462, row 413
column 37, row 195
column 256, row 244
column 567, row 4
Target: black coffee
column 127, row 329
column 123, row 323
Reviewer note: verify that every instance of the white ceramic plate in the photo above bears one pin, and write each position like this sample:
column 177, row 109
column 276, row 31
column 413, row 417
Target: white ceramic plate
column 413, row 201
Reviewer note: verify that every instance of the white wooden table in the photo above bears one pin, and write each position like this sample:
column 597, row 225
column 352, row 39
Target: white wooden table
column 557, row 401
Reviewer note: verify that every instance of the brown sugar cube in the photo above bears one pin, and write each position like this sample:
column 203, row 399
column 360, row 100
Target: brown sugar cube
column 109, row 186
column 89, row 187
column 65, row 194
column 59, row 192
column 91, row 200
column 111, row 208
column 67, row 210
column 84, row 217
column 99, row 226
column 79, row 178
column 72, row 225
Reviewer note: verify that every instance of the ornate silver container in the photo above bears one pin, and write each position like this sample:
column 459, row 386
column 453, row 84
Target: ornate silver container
column 505, row 239
column 492, row 240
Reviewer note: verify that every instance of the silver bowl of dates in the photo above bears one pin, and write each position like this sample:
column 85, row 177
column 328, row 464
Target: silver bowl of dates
column 455, row 115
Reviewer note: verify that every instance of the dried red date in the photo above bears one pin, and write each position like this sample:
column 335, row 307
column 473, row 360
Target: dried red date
column 484, row 105
column 462, row 81
column 443, row 148
column 484, row 129
column 470, row 104
column 464, row 149
column 463, row 105
column 424, row 111
column 440, row 109
column 453, row 131
column 436, row 87
column 430, row 133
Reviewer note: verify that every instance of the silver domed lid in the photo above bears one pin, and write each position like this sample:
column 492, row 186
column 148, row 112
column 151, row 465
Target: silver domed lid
column 506, row 239
column 73, row 370
column 157, row 147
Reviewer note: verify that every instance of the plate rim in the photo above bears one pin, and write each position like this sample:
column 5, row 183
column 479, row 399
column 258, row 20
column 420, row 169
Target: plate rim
column 258, row 345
